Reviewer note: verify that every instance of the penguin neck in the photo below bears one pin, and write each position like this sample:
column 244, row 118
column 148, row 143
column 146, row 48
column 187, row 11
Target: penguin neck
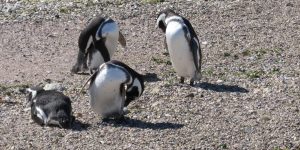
column 174, row 18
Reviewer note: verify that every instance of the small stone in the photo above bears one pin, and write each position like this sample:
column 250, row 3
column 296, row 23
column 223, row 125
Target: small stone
column 220, row 81
column 255, row 91
column 190, row 95
column 155, row 90
column 155, row 103
column 204, row 43
column 54, row 86
column 79, row 115
column 7, row 98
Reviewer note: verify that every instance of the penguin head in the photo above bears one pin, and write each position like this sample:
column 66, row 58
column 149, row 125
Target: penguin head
column 32, row 93
column 161, row 19
column 136, row 89
column 60, row 118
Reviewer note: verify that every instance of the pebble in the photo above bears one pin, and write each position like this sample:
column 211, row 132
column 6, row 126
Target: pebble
column 54, row 86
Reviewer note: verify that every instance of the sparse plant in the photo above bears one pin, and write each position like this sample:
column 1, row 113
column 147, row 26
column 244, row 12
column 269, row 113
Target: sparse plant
column 246, row 52
column 254, row 74
column 157, row 60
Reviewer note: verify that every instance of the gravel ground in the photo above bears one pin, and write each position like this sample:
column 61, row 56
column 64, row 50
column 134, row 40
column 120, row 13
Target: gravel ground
column 248, row 98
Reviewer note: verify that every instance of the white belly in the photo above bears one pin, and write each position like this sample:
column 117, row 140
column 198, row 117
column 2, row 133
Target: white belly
column 95, row 60
column 179, row 49
column 105, row 91
column 110, row 32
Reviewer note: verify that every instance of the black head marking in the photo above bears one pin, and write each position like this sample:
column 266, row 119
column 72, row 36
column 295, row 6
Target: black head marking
column 162, row 17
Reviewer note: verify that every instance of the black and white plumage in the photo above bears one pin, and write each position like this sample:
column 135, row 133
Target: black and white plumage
column 182, row 43
column 97, row 44
column 113, row 87
column 136, row 88
column 50, row 107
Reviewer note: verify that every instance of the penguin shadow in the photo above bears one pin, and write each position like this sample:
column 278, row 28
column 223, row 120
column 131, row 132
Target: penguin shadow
column 151, row 77
column 79, row 126
column 134, row 123
column 83, row 73
column 221, row 87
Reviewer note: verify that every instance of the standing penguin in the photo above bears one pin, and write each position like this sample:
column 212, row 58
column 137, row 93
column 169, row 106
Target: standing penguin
column 97, row 44
column 50, row 107
column 113, row 87
column 182, row 43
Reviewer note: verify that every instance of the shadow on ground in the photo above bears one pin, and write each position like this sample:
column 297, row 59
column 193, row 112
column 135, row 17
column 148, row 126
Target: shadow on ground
column 79, row 126
column 134, row 123
column 221, row 87
column 151, row 77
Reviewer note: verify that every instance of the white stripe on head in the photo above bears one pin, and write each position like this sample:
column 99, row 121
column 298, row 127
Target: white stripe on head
column 136, row 83
column 33, row 92
column 162, row 17
column 169, row 19
column 41, row 114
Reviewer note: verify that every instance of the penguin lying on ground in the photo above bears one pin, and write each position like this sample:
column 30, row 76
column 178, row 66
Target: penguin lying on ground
column 182, row 44
column 50, row 107
column 113, row 87
column 97, row 44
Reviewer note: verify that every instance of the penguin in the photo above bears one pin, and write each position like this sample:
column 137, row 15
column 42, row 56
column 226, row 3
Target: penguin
column 182, row 43
column 50, row 107
column 107, row 90
column 97, row 44
column 134, row 89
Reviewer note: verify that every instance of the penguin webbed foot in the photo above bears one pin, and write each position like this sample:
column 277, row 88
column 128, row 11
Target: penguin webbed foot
column 75, row 69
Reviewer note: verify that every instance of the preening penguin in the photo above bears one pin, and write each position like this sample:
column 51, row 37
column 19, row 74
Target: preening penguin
column 50, row 107
column 97, row 44
column 108, row 90
column 182, row 44
column 113, row 87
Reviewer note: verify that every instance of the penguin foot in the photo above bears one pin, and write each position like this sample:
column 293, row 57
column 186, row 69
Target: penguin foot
column 75, row 69
column 181, row 80
column 192, row 82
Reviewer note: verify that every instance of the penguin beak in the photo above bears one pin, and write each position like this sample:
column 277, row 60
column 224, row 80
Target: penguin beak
column 122, row 40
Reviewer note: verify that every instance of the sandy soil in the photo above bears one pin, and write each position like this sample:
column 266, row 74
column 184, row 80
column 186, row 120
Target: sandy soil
column 248, row 98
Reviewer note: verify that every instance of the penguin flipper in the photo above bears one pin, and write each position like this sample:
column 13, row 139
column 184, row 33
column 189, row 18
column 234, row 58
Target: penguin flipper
column 195, row 48
column 38, row 115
